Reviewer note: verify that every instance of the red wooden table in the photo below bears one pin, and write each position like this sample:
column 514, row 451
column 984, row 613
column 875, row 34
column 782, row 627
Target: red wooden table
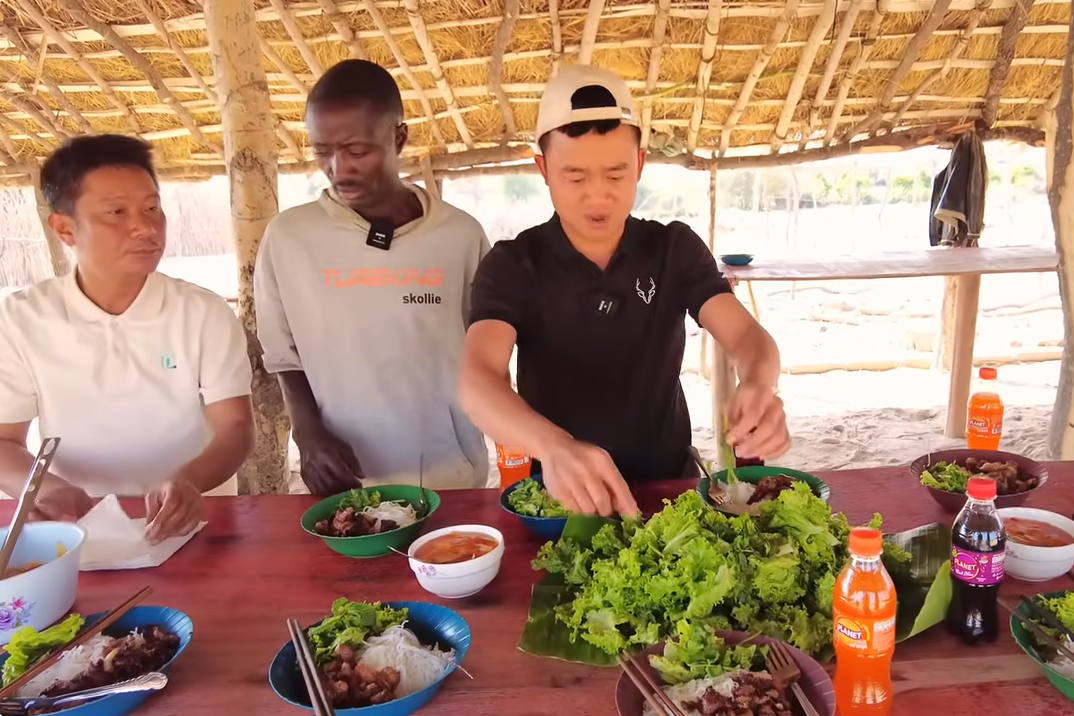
column 253, row 566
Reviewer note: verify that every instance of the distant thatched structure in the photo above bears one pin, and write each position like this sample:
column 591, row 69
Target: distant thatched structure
column 731, row 78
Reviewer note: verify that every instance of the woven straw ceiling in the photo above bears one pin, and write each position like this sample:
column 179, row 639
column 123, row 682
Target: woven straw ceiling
column 717, row 76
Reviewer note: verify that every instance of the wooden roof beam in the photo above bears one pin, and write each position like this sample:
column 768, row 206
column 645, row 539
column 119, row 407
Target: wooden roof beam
column 1008, row 39
column 16, row 39
column 404, row 66
column 589, row 31
column 146, row 7
column 961, row 44
column 295, row 33
column 74, row 8
column 704, row 70
column 891, row 87
column 286, row 71
column 779, row 31
column 57, row 37
column 46, row 122
column 660, row 28
column 499, row 47
column 343, row 29
column 820, row 30
column 557, row 35
column 421, row 34
column 856, row 66
column 834, row 59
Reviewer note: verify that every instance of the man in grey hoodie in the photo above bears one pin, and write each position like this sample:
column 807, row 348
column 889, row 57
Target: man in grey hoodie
column 362, row 302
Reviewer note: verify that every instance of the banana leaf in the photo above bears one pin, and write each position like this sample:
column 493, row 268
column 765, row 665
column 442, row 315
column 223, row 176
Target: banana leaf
column 923, row 587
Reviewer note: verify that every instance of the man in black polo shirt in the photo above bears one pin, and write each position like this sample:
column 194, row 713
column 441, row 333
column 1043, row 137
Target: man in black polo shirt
column 596, row 302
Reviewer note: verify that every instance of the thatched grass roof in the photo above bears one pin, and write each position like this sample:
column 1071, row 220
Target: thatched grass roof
column 721, row 78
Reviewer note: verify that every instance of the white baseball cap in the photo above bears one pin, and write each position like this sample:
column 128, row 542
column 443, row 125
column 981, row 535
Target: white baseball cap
column 556, row 110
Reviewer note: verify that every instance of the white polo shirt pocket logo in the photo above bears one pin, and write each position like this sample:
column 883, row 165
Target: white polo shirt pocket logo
column 167, row 362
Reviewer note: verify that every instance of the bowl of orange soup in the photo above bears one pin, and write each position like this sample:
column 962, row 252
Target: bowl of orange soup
column 456, row 562
column 1040, row 543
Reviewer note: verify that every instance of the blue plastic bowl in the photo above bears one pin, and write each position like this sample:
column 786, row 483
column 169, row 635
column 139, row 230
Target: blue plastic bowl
column 737, row 259
column 547, row 528
column 431, row 623
column 171, row 620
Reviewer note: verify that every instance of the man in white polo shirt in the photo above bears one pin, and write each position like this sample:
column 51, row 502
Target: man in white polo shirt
column 144, row 378
column 362, row 301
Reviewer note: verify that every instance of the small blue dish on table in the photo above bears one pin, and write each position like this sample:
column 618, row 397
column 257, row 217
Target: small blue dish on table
column 547, row 528
column 431, row 623
column 737, row 259
column 170, row 620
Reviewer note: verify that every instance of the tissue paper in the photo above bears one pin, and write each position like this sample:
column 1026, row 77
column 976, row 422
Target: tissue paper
column 115, row 541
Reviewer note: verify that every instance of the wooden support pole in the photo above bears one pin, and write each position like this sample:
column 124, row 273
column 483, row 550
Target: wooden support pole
column 57, row 252
column 967, row 300
column 703, row 365
column 1059, row 129
column 251, row 156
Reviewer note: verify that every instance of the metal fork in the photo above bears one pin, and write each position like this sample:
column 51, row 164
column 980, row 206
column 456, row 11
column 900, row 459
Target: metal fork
column 786, row 673
column 153, row 681
column 423, row 504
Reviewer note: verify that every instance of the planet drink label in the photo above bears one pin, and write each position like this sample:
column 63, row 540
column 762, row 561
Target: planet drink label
column 980, row 569
column 875, row 635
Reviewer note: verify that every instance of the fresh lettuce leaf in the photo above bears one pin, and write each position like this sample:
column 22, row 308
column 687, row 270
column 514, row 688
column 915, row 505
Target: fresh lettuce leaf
column 28, row 646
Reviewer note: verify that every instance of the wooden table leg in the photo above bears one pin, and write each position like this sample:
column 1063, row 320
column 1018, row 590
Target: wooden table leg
column 723, row 384
column 967, row 299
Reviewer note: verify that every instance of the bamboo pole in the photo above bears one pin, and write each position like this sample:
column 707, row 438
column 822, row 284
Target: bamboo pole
column 421, row 34
column 15, row 38
column 251, row 157
column 589, row 31
column 652, row 75
column 836, row 56
column 913, row 49
column 1060, row 177
column 343, row 29
column 299, row 40
column 779, row 31
column 704, row 72
column 1008, row 39
column 856, row 66
column 499, row 46
column 706, row 339
column 820, row 30
column 557, row 35
column 285, row 70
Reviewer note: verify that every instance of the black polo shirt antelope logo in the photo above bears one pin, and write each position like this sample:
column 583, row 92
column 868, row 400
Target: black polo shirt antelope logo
column 600, row 350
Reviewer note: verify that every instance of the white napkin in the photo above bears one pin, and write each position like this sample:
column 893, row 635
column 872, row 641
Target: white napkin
column 115, row 541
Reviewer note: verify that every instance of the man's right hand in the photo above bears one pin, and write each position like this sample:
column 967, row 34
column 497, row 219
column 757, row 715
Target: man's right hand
column 60, row 501
column 328, row 465
column 584, row 479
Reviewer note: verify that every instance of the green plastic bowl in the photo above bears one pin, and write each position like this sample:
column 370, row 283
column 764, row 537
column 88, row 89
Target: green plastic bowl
column 1024, row 639
column 755, row 473
column 372, row 545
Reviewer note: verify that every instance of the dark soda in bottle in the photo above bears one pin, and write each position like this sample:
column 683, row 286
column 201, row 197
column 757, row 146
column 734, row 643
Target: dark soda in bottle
column 978, row 544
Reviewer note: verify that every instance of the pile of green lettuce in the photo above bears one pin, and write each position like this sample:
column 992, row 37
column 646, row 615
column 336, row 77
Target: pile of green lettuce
column 692, row 570
column 360, row 499
column 350, row 624
column 28, row 645
column 946, row 476
column 530, row 499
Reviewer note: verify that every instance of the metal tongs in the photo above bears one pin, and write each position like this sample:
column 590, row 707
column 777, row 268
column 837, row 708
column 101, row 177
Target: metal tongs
column 27, row 500
column 153, row 681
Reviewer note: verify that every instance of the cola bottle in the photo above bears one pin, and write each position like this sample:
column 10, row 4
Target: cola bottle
column 978, row 544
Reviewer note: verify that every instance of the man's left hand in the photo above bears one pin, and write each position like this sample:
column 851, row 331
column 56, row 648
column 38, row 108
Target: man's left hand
column 758, row 425
column 173, row 509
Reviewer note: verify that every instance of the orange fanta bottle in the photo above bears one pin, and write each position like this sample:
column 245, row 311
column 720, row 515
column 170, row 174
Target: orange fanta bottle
column 514, row 465
column 984, row 422
column 864, row 629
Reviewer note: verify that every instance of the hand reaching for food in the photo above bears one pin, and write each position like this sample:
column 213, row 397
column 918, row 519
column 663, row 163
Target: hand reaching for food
column 758, row 424
column 328, row 465
column 584, row 479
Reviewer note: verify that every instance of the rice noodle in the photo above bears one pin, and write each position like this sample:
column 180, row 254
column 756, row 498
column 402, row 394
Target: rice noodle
column 419, row 666
column 73, row 663
column 692, row 691
column 401, row 515
column 1062, row 664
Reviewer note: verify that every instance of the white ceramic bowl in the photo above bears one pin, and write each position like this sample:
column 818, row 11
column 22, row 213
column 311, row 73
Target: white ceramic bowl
column 42, row 596
column 463, row 579
column 1037, row 564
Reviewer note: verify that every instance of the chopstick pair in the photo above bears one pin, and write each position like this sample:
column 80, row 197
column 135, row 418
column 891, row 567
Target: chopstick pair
column 308, row 668
column 88, row 633
column 647, row 686
column 1043, row 635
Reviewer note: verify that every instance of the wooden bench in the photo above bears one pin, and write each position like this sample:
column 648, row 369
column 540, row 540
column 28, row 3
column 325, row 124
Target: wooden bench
column 965, row 266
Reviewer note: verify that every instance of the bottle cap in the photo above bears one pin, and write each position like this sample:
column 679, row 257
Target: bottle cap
column 866, row 542
column 988, row 373
column 981, row 488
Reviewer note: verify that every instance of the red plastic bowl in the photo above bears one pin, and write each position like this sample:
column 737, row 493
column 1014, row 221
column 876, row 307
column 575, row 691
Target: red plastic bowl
column 815, row 682
column 954, row 501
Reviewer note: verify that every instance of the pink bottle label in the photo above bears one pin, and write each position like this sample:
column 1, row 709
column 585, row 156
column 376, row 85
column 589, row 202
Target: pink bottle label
column 977, row 568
